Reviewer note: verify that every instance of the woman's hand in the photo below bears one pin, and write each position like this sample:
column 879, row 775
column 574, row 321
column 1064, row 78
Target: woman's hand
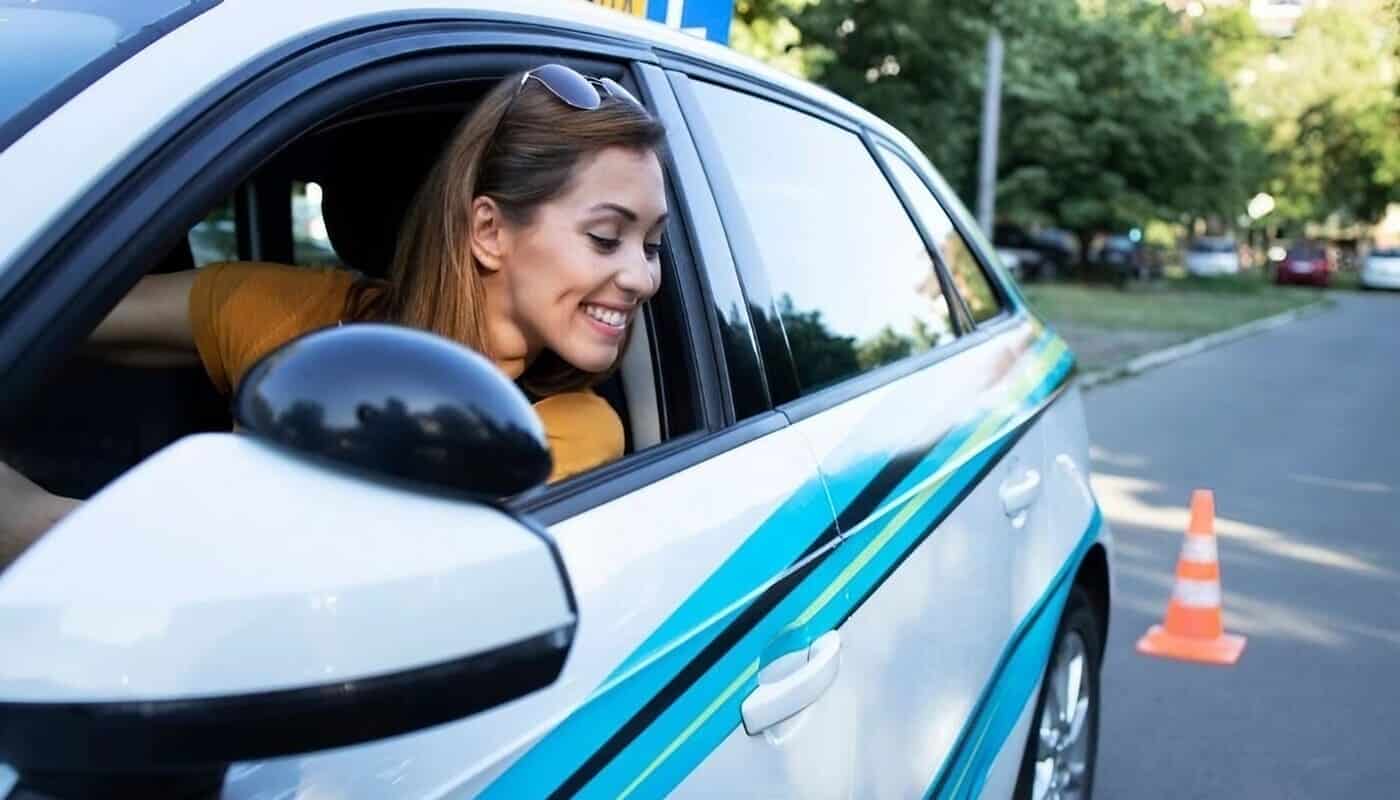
column 27, row 511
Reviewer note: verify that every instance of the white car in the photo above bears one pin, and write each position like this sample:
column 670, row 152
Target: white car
column 1209, row 255
column 1381, row 269
column 852, row 550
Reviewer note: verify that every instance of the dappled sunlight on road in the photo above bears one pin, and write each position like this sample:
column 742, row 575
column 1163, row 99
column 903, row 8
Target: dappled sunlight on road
column 1364, row 487
column 1121, row 498
column 1120, row 460
column 1254, row 616
column 1145, row 564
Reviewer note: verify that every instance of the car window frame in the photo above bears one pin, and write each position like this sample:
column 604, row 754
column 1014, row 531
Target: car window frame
column 775, row 353
column 213, row 145
column 881, row 145
column 800, row 407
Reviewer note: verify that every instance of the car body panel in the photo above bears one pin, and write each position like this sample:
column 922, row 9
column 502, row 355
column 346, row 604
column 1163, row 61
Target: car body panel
column 651, row 598
column 918, row 652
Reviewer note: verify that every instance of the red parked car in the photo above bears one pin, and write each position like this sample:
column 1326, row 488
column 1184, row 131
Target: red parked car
column 1305, row 264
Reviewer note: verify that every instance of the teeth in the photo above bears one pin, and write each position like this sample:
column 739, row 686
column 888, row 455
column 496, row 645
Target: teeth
column 607, row 316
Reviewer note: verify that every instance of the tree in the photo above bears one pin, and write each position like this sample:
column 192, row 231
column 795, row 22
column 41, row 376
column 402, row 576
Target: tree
column 1327, row 101
column 1115, row 118
column 1118, row 112
column 822, row 357
column 886, row 347
column 1111, row 114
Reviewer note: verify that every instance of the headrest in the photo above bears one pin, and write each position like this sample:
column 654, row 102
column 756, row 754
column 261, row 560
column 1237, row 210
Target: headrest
column 373, row 176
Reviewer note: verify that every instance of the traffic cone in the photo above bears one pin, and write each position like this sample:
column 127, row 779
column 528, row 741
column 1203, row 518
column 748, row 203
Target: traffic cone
column 1193, row 629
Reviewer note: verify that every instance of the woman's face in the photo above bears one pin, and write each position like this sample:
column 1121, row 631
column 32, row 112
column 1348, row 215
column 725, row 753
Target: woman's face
column 578, row 272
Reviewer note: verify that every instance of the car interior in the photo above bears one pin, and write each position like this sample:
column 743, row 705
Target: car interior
column 92, row 420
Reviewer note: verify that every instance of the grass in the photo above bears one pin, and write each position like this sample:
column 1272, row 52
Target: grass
column 1186, row 305
column 1107, row 326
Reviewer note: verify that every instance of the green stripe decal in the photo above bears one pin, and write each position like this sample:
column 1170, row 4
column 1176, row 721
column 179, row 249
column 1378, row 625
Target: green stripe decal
column 662, row 749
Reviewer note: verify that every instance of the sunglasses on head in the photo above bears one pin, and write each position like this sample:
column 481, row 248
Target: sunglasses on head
column 573, row 88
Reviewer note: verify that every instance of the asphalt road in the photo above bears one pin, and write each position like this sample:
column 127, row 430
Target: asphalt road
column 1298, row 433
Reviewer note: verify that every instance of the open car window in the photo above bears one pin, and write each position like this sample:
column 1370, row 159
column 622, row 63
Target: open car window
column 333, row 196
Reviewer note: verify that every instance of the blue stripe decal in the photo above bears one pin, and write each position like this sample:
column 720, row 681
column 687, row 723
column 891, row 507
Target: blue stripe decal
column 722, row 597
column 701, row 716
column 1013, row 686
column 709, row 711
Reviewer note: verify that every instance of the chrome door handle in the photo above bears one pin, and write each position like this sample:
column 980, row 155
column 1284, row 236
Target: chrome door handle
column 792, row 683
column 1018, row 495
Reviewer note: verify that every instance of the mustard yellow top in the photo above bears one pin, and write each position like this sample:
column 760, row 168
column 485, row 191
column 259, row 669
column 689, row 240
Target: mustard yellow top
column 240, row 311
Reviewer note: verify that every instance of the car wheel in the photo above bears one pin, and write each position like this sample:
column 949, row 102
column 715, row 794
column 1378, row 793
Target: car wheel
column 1058, row 763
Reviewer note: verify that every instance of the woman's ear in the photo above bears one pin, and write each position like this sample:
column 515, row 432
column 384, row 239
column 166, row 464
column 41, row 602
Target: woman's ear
column 490, row 241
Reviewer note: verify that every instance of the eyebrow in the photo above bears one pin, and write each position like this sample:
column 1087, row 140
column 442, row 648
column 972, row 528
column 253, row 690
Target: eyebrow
column 627, row 213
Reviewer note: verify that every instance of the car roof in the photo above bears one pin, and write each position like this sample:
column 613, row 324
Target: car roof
column 225, row 37
column 577, row 15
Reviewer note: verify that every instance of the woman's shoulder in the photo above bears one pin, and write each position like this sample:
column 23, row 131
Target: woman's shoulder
column 240, row 310
column 269, row 282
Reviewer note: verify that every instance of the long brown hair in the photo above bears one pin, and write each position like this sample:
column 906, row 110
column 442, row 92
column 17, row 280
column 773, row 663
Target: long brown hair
column 521, row 151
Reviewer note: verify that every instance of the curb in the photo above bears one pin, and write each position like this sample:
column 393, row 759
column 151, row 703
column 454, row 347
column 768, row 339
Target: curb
column 1167, row 355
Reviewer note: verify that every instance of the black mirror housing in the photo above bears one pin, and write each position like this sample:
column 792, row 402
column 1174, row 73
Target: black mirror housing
column 400, row 403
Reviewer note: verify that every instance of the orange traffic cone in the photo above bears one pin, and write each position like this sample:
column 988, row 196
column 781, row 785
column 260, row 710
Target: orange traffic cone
column 1193, row 629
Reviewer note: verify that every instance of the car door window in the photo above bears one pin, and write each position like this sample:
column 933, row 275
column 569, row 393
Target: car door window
column 971, row 281
column 74, row 448
column 311, row 243
column 215, row 238
column 853, row 283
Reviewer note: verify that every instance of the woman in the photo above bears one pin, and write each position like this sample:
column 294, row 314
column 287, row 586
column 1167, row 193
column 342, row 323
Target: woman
column 534, row 240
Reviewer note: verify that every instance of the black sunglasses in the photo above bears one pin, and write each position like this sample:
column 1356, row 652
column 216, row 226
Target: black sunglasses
column 574, row 88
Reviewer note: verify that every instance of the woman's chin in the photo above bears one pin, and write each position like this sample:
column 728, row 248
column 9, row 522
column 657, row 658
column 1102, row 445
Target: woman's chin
column 591, row 359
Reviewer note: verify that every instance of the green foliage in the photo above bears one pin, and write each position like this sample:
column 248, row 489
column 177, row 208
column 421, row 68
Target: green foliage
column 1328, row 102
column 823, row 357
column 1117, row 113
column 886, row 347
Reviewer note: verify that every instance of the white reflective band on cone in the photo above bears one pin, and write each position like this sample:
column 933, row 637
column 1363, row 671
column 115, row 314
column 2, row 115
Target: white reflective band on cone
column 1197, row 594
column 1200, row 548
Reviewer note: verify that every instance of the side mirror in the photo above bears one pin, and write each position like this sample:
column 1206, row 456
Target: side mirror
column 400, row 403
column 231, row 599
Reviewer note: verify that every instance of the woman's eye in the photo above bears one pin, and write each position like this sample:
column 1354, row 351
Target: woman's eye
column 603, row 243
column 653, row 250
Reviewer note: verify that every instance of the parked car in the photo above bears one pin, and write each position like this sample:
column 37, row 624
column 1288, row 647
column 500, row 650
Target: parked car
column 1011, row 260
column 1381, row 269
column 1126, row 258
column 1040, row 254
column 1304, row 263
column 852, row 542
column 1212, row 255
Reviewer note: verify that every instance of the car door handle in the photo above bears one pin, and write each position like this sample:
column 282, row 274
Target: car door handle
column 1017, row 496
column 792, row 683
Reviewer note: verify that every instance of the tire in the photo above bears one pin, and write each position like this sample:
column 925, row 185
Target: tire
column 1080, row 632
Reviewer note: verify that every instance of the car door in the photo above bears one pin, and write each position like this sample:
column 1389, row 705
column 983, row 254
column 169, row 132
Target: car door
column 925, row 440
column 677, row 556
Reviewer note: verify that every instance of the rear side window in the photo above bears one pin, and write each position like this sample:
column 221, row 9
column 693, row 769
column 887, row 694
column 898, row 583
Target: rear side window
column 854, row 285
column 971, row 281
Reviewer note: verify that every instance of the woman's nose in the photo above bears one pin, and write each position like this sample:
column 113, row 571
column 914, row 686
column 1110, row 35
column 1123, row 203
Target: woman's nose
column 639, row 278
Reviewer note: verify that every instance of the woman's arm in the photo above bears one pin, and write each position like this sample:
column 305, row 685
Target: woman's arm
column 26, row 512
column 150, row 325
